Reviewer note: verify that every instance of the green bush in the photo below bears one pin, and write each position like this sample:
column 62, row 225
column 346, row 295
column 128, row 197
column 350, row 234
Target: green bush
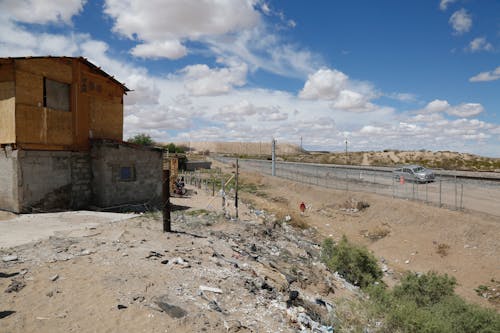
column 426, row 289
column 142, row 139
column 354, row 263
column 427, row 303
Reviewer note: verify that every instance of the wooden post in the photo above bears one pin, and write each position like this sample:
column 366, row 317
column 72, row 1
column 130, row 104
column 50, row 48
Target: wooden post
column 166, row 201
column 236, row 191
column 223, row 193
column 213, row 186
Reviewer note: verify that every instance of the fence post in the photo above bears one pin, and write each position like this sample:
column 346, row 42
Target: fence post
column 461, row 196
column 223, row 194
column 213, row 186
column 393, row 187
column 440, row 192
column 346, row 181
column 166, row 201
column 456, row 194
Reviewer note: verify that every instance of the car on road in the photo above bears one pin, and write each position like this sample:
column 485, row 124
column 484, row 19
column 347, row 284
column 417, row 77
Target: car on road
column 414, row 173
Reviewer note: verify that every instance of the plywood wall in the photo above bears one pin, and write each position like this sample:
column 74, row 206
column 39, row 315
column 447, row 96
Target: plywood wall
column 7, row 113
column 96, row 101
column 105, row 106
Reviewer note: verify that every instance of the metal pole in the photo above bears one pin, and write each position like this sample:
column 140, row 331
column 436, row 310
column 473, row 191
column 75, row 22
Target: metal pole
column 236, row 190
column 166, row 201
column 346, row 151
column 426, row 192
column 273, row 153
column 456, row 195
column 440, row 192
column 393, row 187
column 461, row 196
column 223, row 193
column 213, row 186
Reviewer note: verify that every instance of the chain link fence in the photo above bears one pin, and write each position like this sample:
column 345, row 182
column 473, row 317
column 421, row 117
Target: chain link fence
column 450, row 192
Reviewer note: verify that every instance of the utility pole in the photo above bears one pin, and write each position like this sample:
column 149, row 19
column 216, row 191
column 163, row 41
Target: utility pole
column 345, row 151
column 300, row 143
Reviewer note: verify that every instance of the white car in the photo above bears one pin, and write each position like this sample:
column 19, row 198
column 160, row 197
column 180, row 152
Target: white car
column 415, row 173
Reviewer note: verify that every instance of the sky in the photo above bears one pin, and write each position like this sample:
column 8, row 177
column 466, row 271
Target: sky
column 387, row 74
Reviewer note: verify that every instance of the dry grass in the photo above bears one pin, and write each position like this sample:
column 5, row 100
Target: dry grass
column 442, row 249
column 377, row 233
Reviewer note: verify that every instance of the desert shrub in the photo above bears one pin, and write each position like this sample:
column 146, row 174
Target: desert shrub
column 354, row 263
column 426, row 289
column 427, row 303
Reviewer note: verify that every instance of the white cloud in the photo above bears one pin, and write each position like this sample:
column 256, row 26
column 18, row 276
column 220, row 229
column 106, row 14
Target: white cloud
column 200, row 80
column 480, row 44
column 335, row 86
column 443, row 5
column 170, row 49
column 324, row 84
column 486, row 76
column 41, row 12
column 461, row 21
column 262, row 49
column 464, row 110
column 163, row 25
column 437, row 105
column 403, row 97
column 349, row 100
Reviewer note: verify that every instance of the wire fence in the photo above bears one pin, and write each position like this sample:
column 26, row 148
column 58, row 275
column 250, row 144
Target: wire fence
column 450, row 192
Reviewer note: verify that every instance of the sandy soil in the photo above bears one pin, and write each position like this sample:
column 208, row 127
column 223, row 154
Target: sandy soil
column 212, row 274
column 418, row 237
column 215, row 274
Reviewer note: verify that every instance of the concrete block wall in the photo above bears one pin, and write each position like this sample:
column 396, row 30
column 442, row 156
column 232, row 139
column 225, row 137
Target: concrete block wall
column 9, row 194
column 44, row 180
column 108, row 189
column 81, row 180
column 53, row 180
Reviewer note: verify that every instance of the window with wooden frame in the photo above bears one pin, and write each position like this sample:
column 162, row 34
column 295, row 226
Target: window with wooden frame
column 56, row 95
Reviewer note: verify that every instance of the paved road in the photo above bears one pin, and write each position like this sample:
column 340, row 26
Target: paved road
column 455, row 190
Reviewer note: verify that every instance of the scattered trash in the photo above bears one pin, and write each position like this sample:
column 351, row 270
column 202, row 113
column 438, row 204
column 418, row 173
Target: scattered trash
column 121, row 306
column 154, row 255
column 173, row 311
column 15, row 286
column 211, row 289
column 54, row 278
column 12, row 257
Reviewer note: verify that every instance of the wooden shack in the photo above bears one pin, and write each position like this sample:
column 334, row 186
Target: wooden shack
column 58, row 103
column 61, row 139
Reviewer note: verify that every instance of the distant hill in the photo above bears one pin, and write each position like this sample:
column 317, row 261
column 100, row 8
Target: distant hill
column 242, row 148
column 436, row 160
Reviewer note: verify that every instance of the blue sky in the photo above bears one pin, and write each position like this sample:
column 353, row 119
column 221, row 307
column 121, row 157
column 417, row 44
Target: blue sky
column 383, row 74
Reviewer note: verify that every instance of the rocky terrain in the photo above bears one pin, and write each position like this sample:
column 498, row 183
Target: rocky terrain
column 212, row 274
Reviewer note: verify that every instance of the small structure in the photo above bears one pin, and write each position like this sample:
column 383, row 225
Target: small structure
column 61, row 139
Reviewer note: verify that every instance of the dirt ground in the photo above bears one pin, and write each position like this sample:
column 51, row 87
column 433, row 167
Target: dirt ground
column 404, row 235
column 214, row 274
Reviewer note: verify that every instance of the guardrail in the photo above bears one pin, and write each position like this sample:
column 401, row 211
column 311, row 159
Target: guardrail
column 453, row 190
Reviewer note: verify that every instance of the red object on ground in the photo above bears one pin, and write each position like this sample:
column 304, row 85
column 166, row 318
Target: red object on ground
column 302, row 207
column 401, row 180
